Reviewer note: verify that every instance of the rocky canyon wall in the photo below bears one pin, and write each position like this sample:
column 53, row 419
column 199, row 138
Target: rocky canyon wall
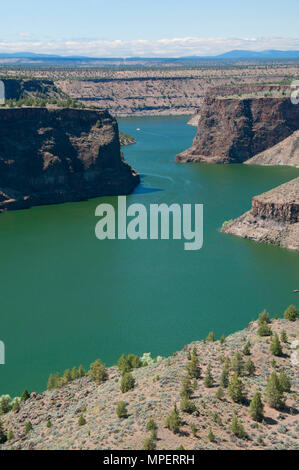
column 234, row 130
column 57, row 155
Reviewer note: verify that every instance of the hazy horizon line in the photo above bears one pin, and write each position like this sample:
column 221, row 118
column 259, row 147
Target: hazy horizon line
column 161, row 48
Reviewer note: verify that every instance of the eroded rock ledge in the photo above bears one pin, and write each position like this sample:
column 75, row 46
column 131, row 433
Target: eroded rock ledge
column 50, row 156
column 273, row 218
column 234, row 130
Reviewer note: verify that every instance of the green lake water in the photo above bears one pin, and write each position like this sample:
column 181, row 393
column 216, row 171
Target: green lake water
column 68, row 298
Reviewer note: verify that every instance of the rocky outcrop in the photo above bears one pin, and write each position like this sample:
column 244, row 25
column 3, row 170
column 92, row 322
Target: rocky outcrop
column 126, row 139
column 283, row 153
column 57, row 155
column 234, row 130
column 273, row 218
column 194, row 120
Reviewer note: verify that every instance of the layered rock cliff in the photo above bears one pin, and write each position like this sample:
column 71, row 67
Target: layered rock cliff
column 273, row 218
column 283, row 153
column 234, row 130
column 58, row 155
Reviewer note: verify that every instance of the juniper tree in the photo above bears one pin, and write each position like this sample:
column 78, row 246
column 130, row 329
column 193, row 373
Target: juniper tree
column 250, row 367
column 16, row 405
column 210, row 337
column 5, row 404
column 274, row 394
column 81, row 420
column 211, row 436
column 237, row 363
column 186, row 389
column 222, row 339
column 134, row 361
column 3, row 437
column 193, row 367
column 128, row 363
column 25, row 395
column 127, row 382
column 58, row 380
column 246, row 349
column 284, row 382
column 187, row 406
column 10, row 435
column 237, row 428
column 275, row 346
column 291, row 313
column 28, row 427
column 208, row 380
column 283, row 336
column 149, row 444
column 81, row 371
column 264, row 317
column 256, row 407
column 74, row 373
column 151, row 425
column 236, row 389
column 51, row 382
column 97, row 371
column 67, row 376
column 173, row 421
column 121, row 410
column 264, row 330
column 49, row 423
column 224, row 377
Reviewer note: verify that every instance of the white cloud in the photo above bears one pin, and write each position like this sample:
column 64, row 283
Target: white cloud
column 175, row 47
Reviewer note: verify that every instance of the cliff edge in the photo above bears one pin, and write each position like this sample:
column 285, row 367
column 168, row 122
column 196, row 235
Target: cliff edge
column 234, row 130
column 273, row 218
column 57, row 155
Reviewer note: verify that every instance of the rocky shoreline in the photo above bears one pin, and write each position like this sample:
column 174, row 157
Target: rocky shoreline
column 273, row 218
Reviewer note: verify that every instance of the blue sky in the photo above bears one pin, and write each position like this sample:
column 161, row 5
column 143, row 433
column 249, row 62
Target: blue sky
column 157, row 27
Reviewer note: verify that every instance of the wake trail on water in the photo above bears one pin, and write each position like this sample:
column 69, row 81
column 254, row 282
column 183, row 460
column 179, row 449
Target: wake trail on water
column 160, row 176
column 156, row 135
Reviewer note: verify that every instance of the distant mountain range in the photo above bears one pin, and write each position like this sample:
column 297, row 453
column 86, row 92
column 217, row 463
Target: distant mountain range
column 269, row 54
column 31, row 57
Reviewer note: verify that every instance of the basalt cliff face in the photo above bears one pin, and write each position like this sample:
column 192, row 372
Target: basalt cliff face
column 234, row 130
column 58, row 155
column 273, row 218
